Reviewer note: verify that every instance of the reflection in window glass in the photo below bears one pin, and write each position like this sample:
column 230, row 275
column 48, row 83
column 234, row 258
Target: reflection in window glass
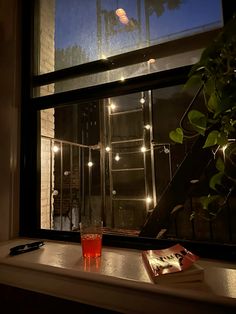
column 78, row 31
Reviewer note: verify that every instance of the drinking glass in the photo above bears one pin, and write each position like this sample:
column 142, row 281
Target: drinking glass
column 91, row 238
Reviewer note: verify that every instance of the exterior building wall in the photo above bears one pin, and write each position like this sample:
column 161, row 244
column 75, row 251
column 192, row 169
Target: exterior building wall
column 46, row 64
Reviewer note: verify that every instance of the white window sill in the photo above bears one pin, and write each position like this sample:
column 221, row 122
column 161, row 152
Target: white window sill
column 117, row 281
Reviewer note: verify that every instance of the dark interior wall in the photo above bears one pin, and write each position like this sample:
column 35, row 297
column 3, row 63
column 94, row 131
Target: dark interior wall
column 9, row 116
column 29, row 302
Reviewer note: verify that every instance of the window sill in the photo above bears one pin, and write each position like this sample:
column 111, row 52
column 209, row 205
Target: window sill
column 117, row 281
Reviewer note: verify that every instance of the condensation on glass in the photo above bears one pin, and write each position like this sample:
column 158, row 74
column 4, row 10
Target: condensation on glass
column 121, row 74
column 77, row 32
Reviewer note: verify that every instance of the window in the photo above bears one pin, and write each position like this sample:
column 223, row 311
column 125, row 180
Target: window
column 106, row 91
column 116, row 29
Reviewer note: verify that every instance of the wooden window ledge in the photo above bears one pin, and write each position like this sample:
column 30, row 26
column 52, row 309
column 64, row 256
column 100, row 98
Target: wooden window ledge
column 117, row 281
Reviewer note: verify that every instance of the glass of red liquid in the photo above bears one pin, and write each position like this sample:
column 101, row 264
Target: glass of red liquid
column 91, row 238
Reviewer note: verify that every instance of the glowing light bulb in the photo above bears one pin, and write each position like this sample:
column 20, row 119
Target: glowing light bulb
column 108, row 148
column 142, row 100
column 56, row 148
column 147, row 126
column 90, row 164
column 148, row 200
column 124, row 19
column 143, row 149
column 120, row 12
column 104, row 57
column 113, row 107
column 122, row 79
column 117, row 157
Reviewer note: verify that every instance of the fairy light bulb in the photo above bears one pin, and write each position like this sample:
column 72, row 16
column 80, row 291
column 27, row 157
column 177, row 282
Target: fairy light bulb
column 120, row 12
column 148, row 200
column 147, row 126
column 142, row 100
column 117, row 157
column 90, row 164
column 122, row 79
column 113, row 107
column 55, row 148
column 107, row 149
column 143, row 149
column 124, row 19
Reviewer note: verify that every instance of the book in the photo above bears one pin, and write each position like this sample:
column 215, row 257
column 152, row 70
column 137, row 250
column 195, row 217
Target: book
column 172, row 265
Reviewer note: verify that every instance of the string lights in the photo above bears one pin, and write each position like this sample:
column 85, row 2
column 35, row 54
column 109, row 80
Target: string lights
column 55, row 148
column 112, row 107
column 90, row 164
column 148, row 200
column 117, row 157
column 142, row 100
column 143, row 149
column 147, row 126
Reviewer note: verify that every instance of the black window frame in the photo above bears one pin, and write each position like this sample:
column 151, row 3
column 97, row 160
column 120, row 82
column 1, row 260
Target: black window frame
column 30, row 114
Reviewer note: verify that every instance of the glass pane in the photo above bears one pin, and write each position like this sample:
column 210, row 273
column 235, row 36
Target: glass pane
column 121, row 74
column 122, row 187
column 76, row 31
column 129, row 215
column 70, row 166
column 129, row 155
column 84, row 172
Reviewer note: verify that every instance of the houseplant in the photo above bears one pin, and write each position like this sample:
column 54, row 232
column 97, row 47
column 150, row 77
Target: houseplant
column 215, row 73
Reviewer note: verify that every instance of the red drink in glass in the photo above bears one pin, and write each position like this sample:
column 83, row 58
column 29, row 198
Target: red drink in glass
column 91, row 244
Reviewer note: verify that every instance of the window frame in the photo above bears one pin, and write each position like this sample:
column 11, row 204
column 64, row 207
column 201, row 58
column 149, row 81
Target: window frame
column 30, row 135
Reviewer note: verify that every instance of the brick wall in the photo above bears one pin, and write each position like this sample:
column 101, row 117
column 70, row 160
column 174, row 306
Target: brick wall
column 46, row 64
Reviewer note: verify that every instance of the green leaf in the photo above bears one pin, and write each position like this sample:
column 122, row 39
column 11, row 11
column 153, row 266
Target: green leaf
column 230, row 161
column 216, row 180
column 212, row 139
column 177, row 135
column 220, row 166
column 212, row 104
column 197, row 69
column 207, row 200
column 209, row 87
column 222, row 139
column 230, row 150
column 198, row 121
column 193, row 81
